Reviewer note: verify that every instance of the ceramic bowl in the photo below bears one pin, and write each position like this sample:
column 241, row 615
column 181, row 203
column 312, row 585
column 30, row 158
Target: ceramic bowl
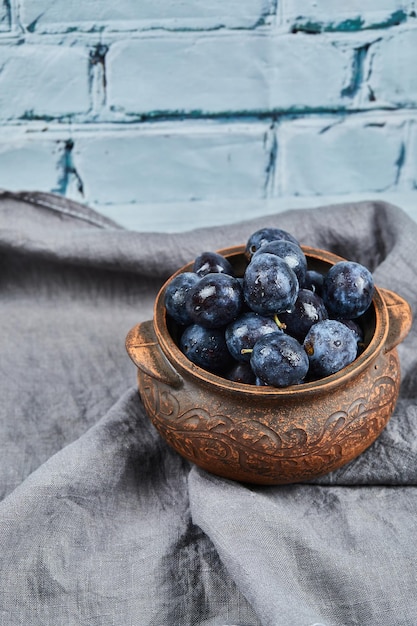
column 265, row 435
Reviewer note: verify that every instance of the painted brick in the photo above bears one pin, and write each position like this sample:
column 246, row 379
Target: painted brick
column 90, row 15
column 412, row 160
column 178, row 217
column 167, row 163
column 393, row 77
column 229, row 60
column 339, row 158
column 41, row 80
column 30, row 163
column 314, row 16
column 4, row 17
column 218, row 73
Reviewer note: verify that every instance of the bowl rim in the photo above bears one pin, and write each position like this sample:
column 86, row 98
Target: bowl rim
column 179, row 361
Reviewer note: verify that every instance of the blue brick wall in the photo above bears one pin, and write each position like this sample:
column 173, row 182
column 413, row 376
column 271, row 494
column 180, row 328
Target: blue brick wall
column 170, row 115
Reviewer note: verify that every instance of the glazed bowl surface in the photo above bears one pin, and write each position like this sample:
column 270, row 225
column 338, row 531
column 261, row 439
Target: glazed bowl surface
column 266, row 435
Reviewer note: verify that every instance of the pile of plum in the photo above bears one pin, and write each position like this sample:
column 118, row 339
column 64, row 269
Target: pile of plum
column 280, row 323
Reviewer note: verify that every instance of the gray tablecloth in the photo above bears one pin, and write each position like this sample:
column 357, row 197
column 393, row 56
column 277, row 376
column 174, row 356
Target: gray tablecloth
column 102, row 524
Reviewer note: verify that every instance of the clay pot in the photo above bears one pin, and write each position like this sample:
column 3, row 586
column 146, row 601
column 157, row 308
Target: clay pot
column 266, row 435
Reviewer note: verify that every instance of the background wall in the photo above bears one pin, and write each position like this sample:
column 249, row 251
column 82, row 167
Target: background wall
column 167, row 115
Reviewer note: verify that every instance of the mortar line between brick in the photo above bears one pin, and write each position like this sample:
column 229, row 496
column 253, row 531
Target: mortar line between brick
column 136, row 30
column 271, row 142
column 79, row 124
column 97, row 78
column 404, row 162
column 221, row 117
column 16, row 24
column 8, row 9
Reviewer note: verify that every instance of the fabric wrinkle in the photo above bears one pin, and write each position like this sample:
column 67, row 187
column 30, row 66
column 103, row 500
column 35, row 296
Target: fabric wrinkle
column 102, row 522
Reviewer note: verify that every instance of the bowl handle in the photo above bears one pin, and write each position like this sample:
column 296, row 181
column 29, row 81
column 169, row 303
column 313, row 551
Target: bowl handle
column 400, row 318
column 145, row 352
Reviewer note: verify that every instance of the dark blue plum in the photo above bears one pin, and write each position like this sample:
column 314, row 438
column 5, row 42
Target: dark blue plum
column 279, row 324
column 308, row 310
column 314, row 281
column 244, row 332
column 260, row 383
column 269, row 285
column 176, row 295
column 212, row 263
column 330, row 346
column 215, row 300
column 357, row 331
column 291, row 253
column 264, row 235
column 348, row 290
column 279, row 360
column 206, row 347
column 241, row 373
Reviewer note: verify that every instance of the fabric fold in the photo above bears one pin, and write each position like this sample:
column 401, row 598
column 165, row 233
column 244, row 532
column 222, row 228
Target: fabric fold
column 101, row 534
column 307, row 554
column 102, row 523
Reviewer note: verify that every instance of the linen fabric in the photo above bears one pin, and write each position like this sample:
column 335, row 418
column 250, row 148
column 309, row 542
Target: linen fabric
column 102, row 523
